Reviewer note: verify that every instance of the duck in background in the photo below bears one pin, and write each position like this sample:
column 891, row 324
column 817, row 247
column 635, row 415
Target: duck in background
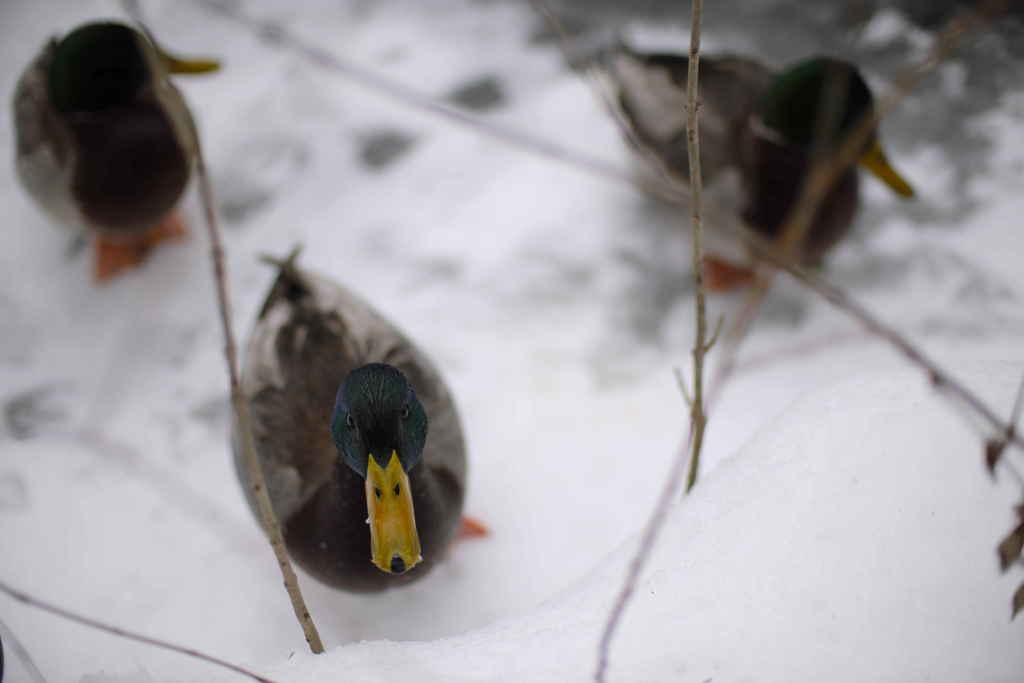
column 341, row 401
column 105, row 142
column 761, row 127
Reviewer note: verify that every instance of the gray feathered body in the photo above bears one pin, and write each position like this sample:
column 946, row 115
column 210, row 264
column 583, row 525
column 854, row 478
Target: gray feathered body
column 309, row 335
column 651, row 94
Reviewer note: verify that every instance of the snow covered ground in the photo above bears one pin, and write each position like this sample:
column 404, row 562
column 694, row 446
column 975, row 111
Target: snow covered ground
column 851, row 538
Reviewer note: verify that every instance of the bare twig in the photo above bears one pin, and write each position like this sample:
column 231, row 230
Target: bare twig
column 723, row 220
column 714, row 334
column 669, row 494
column 657, row 179
column 602, row 90
column 801, row 349
column 700, row 345
column 239, row 405
column 413, row 99
column 21, row 596
column 681, row 383
column 14, row 645
column 1018, row 406
column 995, row 447
column 698, row 419
column 545, row 12
column 241, row 410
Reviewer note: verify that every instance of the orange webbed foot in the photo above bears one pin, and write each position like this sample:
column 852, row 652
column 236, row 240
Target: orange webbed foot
column 471, row 528
column 114, row 256
column 722, row 276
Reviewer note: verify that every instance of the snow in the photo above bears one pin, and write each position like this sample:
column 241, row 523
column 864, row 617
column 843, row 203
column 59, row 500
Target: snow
column 843, row 543
column 851, row 538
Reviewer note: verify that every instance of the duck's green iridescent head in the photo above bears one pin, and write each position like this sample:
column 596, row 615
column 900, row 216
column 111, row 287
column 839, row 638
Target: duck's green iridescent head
column 826, row 96
column 380, row 428
column 104, row 64
column 97, row 66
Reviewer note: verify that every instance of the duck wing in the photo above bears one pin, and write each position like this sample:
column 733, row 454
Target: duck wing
column 650, row 93
column 44, row 152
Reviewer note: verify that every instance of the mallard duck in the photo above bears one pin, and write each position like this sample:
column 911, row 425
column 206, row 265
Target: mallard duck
column 759, row 124
column 367, row 496
column 105, row 142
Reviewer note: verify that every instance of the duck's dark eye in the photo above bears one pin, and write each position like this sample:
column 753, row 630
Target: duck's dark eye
column 376, row 492
column 405, row 413
column 350, row 421
column 398, row 489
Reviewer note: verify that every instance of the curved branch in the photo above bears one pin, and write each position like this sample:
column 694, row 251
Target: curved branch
column 239, row 405
column 21, row 596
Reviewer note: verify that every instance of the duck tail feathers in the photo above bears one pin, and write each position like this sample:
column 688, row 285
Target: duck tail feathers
column 291, row 284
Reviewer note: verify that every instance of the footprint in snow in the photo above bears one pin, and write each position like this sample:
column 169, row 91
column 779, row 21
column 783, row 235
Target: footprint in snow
column 30, row 412
column 255, row 171
column 479, row 94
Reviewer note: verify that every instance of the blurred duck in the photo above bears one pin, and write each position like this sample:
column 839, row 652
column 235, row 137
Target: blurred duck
column 341, row 401
column 105, row 142
column 762, row 126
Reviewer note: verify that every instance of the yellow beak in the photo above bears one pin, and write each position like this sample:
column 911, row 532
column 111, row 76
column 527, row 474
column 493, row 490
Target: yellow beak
column 875, row 161
column 394, row 542
column 181, row 65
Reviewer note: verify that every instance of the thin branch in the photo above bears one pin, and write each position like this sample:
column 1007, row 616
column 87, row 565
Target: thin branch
column 240, row 406
column 1018, row 406
column 1011, row 429
column 724, row 220
column 700, row 346
column 801, row 349
column 602, row 90
column 117, row 631
column 14, row 645
column 257, row 482
column 564, row 42
column 714, row 335
column 698, row 419
column 681, row 382
column 413, row 99
column 658, row 178
column 995, row 447
column 669, row 494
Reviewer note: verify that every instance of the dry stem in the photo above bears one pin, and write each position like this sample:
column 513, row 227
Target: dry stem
column 241, row 411
column 92, row 623
column 669, row 493
column 1018, row 406
column 995, row 448
column 14, row 646
column 698, row 419
column 700, row 345
column 239, row 405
